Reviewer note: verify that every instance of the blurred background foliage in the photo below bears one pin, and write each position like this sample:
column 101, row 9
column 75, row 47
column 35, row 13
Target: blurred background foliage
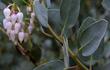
column 45, row 49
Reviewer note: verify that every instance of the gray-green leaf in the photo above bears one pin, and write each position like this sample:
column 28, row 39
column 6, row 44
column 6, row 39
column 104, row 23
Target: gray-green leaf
column 52, row 65
column 91, row 36
column 56, row 13
column 69, row 12
column 86, row 24
column 48, row 3
column 41, row 13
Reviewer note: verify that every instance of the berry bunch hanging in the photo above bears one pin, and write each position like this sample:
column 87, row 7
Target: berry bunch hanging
column 15, row 26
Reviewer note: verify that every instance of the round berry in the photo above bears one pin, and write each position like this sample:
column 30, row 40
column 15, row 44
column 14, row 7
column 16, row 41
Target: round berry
column 6, row 12
column 21, row 36
column 20, row 17
column 13, row 18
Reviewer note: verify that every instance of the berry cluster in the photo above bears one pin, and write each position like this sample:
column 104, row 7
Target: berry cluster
column 14, row 25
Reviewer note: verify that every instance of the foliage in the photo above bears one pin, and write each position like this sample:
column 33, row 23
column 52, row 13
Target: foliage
column 77, row 31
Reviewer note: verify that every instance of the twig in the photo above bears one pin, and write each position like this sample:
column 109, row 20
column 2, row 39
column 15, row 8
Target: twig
column 46, row 34
column 72, row 54
column 54, row 34
column 90, row 67
column 66, row 55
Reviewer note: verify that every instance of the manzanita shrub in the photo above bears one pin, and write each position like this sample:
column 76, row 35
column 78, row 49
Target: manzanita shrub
column 55, row 34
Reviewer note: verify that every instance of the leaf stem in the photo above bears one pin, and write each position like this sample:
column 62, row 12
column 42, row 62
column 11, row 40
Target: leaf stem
column 54, row 34
column 72, row 54
column 62, row 31
column 66, row 54
column 90, row 67
column 46, row 34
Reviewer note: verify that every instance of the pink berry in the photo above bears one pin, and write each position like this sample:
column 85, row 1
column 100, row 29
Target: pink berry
column 32, row 15
column 8, row 18
column 5, row 21
column 8, row 25
column 21, row 36
column 20, row 16
column 31, row 20
column 6, row 12
column 30, row 28
column 13, row 18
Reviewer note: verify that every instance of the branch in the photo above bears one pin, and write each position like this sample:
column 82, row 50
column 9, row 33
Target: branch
column 66, row 54
column 72, row 54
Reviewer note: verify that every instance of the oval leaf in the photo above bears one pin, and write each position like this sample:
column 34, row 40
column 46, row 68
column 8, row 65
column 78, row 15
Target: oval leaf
column 69, row 12
column 91, row 37
column 52, row 65
column 56, row 20
column 48, row 3
column 86, row 24
column 56, row 13
column 41, row 13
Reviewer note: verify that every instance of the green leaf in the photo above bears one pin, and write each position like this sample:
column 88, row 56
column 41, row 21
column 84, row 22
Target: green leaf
column 86, row 60
column 56, row 20
column 41, row 13
column 106, row 4
column 69, row 12
column 86, row 24
column 96, row 56
column 56, row 13
column 52, row 65
column 48, row 3
column 89, row 21
column 92, row 36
